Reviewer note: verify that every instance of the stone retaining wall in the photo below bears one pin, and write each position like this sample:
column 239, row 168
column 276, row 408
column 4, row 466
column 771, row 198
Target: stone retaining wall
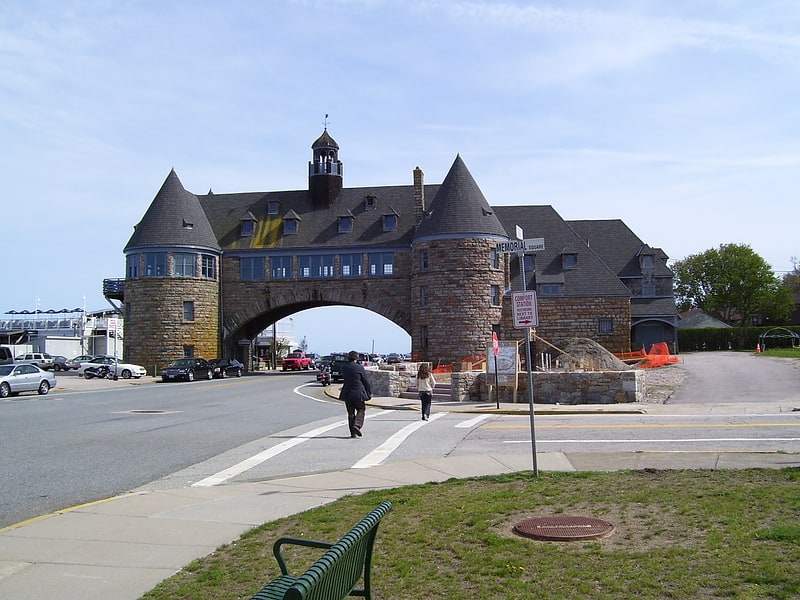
column 596, row 387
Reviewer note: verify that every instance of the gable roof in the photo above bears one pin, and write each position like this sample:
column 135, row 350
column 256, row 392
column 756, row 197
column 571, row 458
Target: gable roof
column 619, row 247
column 318, row 227
column 591, row 277
column 174, row 219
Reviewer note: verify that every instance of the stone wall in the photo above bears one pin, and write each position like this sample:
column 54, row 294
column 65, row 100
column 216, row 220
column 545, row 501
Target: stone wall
column 594, row 387
column 155, row 331
column 459, row 313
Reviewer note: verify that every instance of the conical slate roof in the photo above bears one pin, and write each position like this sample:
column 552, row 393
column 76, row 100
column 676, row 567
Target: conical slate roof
column 174, row 218
column 459, row 209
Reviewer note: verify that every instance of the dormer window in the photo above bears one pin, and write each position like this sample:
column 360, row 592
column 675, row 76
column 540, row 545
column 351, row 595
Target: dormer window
column 390, row 221
column 247, row 225
column 569, row 261
column 273, row 207
column 346, row 222
column 291, row 223
column 646, row 261
column 370, row 202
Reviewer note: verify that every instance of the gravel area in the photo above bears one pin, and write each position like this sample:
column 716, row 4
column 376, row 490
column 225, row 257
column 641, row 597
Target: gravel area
column 661, row 382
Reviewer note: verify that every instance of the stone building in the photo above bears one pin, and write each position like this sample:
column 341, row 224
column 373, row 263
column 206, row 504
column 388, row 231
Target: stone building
column 205, row 274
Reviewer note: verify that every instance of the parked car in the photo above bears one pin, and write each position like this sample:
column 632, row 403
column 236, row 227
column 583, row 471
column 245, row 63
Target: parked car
column 188, row 369
column 6, row 357
column 393, row 358
column 296, row 361
column 84, row 358
column 24, row 377
column 40, row 359
column 62, row 363
column 226, row 367
column 120, row 369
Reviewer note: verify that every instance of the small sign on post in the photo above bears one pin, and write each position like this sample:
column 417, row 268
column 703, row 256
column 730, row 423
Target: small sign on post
column 526, row 312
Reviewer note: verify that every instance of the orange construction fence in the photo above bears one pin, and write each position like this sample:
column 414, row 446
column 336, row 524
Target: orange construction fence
column 657, row 357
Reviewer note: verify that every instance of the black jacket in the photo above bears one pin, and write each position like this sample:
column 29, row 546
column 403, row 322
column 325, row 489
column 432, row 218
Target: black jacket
column 356, row 384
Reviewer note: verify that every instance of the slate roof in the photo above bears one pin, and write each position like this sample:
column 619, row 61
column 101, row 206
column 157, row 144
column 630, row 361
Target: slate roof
column 591, row 277
column 174, row 219
column 459, row 209
column 618, row 246
column 318, row 227
column 697, row 319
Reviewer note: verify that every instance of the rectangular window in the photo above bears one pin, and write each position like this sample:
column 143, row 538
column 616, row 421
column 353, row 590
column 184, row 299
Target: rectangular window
column 389, row 222
column 188, row 352
column 209, row 266
column 188, row 310
column 495, row 259
column 605, row 325
column 569, row 261
column 648, row 290
column 315, row 267
column 184, row 264
column 281, row 267
column 345, row 224
column 251, row 268
column 647, row 261
column 381, row 263
column 423, row 260
column 424, row 336
column 155, row 264
column 551, row 289
column 272, row 207
column 133, row 266
column 247, row 228
column 495, row 295
column 289, row 227
column 352, row 265
column 423, row 295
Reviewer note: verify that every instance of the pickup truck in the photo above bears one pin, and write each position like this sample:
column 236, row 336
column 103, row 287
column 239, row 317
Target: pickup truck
column 296, row 361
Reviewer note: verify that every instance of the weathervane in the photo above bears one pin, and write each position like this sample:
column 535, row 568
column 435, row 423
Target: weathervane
column 325, row 122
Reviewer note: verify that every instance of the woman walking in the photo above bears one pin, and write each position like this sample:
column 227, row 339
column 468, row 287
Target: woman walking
column 425, row 384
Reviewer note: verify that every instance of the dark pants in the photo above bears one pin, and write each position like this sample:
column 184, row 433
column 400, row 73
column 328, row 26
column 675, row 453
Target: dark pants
column 425, row 398
column 355, row 415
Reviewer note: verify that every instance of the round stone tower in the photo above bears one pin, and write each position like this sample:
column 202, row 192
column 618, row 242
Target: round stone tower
column 457, row 281
column 172, row 283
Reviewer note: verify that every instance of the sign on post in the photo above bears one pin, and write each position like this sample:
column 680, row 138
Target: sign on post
column 520, row 246
column 526, row 313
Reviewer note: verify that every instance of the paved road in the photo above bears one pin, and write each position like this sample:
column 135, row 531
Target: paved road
column 737, row 377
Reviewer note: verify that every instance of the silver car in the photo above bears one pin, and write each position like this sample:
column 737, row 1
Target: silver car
column 24, row 378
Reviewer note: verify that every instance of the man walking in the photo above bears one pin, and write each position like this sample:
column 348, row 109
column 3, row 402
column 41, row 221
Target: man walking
column 355, row 392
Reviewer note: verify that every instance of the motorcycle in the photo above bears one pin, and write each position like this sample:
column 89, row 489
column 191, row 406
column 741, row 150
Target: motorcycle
column 100, row 371
column 324, row 376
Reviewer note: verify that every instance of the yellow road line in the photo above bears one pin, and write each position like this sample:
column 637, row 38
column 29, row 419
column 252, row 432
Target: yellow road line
column 64, row 511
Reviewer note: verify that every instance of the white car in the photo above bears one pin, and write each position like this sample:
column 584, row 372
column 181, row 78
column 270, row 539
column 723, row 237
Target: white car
column 24, row 378
column 121, row 369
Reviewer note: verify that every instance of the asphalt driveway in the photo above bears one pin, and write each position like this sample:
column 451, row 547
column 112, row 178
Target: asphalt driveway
column 737, row 377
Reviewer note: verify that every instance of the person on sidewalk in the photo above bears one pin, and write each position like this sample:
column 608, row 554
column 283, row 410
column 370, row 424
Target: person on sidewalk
column 355, row 392
column 425, row 384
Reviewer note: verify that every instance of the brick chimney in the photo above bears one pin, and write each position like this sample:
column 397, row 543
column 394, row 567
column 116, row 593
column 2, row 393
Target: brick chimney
column 419, row 194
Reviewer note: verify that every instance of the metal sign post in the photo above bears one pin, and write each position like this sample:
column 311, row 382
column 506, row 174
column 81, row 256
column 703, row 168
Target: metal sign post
column 526, row 316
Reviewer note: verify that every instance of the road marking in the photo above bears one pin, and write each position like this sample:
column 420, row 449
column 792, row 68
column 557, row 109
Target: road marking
column 654, row 441
column 646, row 426
column 299, row 393
column 473, row 422
column 382, row 452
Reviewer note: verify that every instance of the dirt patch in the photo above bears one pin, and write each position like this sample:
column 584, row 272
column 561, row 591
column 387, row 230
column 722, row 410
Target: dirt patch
column 588, row 355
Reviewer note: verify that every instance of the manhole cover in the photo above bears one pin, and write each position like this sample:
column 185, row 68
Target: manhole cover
column 564, row 528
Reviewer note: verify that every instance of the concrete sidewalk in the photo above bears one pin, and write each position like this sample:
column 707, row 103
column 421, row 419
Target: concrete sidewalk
column 122, row 547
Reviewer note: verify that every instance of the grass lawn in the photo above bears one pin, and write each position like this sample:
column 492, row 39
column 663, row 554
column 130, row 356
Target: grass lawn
column 678, row 534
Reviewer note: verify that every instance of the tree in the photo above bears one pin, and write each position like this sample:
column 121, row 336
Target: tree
column 792, row 278
column 731, row 283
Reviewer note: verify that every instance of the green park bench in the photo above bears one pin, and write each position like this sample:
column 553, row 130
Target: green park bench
column 336, row 573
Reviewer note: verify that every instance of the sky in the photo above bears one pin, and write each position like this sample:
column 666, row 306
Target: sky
column 680, row 118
